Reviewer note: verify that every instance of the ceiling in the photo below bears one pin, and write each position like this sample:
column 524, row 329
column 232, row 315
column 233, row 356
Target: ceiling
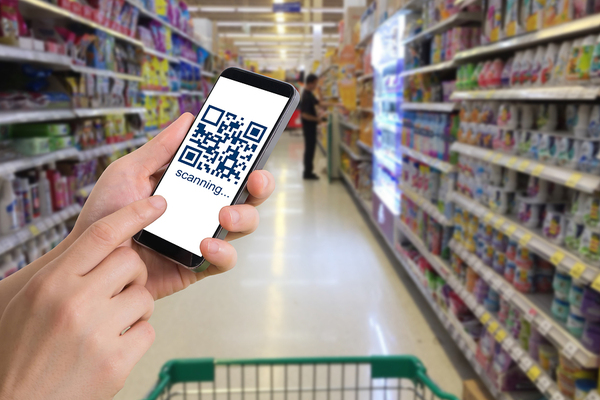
column 260, row 34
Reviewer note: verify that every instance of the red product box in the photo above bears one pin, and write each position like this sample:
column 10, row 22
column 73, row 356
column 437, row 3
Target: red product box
column 66, row 4
column 113, row 25
column 77, row 8
column 88, row 12
column 99, row 17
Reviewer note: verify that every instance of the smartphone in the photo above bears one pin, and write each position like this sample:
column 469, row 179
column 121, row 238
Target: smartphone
column 233, row 135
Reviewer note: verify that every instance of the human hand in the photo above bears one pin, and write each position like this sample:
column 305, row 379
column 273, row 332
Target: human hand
column 61, row 334
column 134, row 177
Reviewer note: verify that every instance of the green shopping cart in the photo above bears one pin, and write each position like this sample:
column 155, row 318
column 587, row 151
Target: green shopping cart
column 317, row 378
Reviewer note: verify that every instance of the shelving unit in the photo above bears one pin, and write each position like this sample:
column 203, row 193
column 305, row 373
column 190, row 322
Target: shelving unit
column 352, row 154
column 562, row 258
column 365, row 147
column 432, row 107
column 425, row 205
column 110, row 148
column 434, row 162
column 578, row 180
column 450, row 22
column 535, row 306
column 531, row 93
column 160, row 93
column 348, row 125
column 446, row 65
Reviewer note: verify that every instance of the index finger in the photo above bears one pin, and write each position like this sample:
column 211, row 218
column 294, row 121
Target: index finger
column 108, row 233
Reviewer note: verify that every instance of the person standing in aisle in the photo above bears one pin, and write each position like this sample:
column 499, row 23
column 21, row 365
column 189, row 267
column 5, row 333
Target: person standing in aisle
column 310, row 119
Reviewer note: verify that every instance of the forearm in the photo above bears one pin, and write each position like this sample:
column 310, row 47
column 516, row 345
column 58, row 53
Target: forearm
column 10, row 286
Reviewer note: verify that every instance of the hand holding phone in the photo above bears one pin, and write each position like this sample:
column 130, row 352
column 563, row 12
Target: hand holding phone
column 233, row 135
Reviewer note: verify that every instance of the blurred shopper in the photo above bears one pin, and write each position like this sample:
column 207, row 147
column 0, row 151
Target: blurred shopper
column 310, row 119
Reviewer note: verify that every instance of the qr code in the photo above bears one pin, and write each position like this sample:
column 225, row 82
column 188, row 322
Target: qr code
column 222, row 144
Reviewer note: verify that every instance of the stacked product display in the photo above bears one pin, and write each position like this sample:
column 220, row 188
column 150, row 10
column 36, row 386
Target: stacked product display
column 486, row 182
column 86, row 82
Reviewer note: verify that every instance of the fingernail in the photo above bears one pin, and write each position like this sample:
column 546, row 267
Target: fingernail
column 234, row 215
column 265, row 181
column 212, row 247
column 158, row 202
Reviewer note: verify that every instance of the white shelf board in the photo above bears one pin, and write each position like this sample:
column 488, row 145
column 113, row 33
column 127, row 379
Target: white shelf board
column 160, row 54
column 348, row 125
column 574, row 92
column 425, row 205
column 160, row 93
column 430, row 68
column 105, row 72
column 365, row 109
column 25, row 116
column 189, row 62
column 365, row 77
column 536, row 306
column 97, row 112
column 20, row 164
column 40, row 225
column 13, row 53
column 366, row 205
column 110, row 148
column 352, row 154
column 529, row 239
column 434, row 107
column 450, row 22
column 563, row 31
column 192, row 92
column 365, row 147
column 434, row 162
column 578, row 180
column 543, row 382
column 207, row 74
column 38, row 9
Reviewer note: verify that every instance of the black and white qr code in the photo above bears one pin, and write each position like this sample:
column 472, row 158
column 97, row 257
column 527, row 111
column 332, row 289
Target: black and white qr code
column 222, row 144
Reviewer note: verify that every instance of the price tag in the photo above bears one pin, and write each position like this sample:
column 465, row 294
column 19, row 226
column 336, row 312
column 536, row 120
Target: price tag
column 533, row 373
column 523, row 165
column 557, row 257
column 485, row 318
column 492, row 327
column 497, row 158
column 496, row 284
column 34, row 230
column 499, row 222
column 488, row 217
column 537, row 170
column 525, row 239
column 508, row 344
column 543, row 383
column 573, row 179
column 545, row 327
column 517, row 353
column 596, row 283
column 510, row 230
column 530, row 315
column 569, row 350
column 577, row 270
column 500, row 335
column 593, row 395
column 508, row 292
column 511, row 161
column 526, row 363
column 557, row 396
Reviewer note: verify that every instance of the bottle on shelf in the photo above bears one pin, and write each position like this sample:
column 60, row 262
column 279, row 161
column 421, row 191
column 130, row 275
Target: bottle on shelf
column 8, row 204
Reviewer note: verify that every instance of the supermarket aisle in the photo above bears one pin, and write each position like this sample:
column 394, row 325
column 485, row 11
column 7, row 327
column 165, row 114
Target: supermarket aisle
column 311, row 281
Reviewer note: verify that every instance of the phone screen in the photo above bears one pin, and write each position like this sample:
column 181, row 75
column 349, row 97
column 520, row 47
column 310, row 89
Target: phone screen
column 214, row 161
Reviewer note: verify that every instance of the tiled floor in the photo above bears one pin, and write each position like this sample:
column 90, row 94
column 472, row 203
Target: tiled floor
column 312, row 281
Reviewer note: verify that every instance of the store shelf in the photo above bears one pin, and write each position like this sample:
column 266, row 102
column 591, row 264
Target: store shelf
column 207, row 74
column 352, row 154
column 434, row 162
column 13, row 53
column 98, row 112
column 434, row 107
column 160, row 54
column 363, row 42
column 43, row 224
column 323, row 149
column 109, row 149
column 535, row 306
column 20, row 164
column 365, row 77
column 430, row 68
column 365, row 147
column 531, row 93
column 425, row 205
column 542, row 381
column 365, row 204
column 578, row 180
column 39, row 9
column 559, row 256
column 329, row 68
column 105, row 72
column 450, row 22
column 15, row 117
column 563, row 31
column 348, row 125
column 192, row 92
column 461, row 4
column 365, row 109
column 160, row 93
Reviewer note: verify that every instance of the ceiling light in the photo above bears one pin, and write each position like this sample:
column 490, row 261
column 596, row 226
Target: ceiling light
column 280, row 29
column 279, row 17
column 277, row 1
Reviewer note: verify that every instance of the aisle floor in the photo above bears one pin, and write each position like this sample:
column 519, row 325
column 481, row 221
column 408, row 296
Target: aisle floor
column 311, row 281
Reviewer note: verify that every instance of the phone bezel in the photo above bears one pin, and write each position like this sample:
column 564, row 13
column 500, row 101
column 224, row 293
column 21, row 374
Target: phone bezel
column 179, row 254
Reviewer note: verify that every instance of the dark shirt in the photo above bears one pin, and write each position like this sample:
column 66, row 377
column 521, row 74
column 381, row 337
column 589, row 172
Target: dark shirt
column 307, row 106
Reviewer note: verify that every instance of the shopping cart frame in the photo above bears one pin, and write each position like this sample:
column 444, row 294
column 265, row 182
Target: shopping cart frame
column 201, row 370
